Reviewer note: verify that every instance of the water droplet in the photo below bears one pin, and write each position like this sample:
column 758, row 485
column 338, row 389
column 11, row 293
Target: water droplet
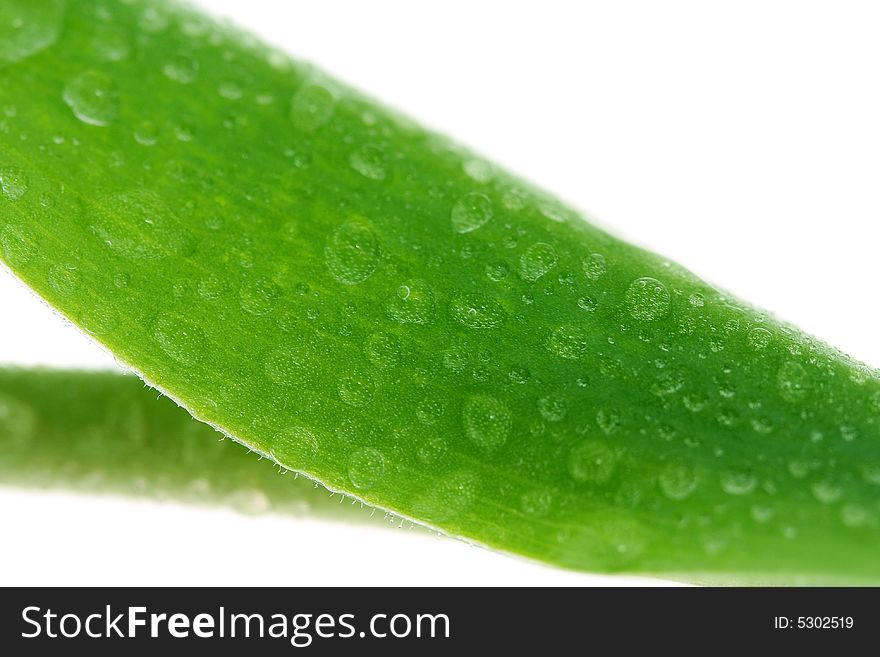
column 370, row 162
column 487, row 421
column 352, row 253
column 695, row 402
column 139, row 226
column 182, row 69
column 456, row 358
column 111, row 44
column 827, row 492
column 519, row 374
column 184, row 132
column 249, row 501
column 28, row 27
column 259, row 297
column 179, row 338
column 432, row 450
column 18, row 244
column 697, row 300
column 667, row 383
column 555, row 212
column 588, row 304
column 295, row 447
column 230, row 90
column 64, row 279
column 569, row 342
column 13, row 183
column 647, row 299
column 536, row 503
column 738, row 483
column 312, row 106
column 855, row 516
column 792, row 380
column 538, row 259
column 591, row 462
column 759, row 338
column 146, row 134
column 871, row 473
column 18, row 422
column 497, row 271
column 594, row 266
column 366, row 467
column 453, row 496
column 93, row 98
column 480, row 170
column 430, row 410
column 416, row 306
column 356, row 390
column 552, row 408
column 470, row 212
column 210, row 287
column 848, row 432
column 382, row 350
column 677, row 481
column 762, row 513
column 608, row 421
column 477, row 311
column 154, row 20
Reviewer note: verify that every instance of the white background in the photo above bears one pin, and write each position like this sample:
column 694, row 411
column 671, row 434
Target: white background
column 740, row 139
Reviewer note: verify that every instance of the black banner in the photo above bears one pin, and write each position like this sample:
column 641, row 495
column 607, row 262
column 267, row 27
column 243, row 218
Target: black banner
column 432, row 621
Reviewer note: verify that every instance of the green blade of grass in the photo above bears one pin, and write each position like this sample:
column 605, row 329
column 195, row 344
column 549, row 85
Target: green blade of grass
column 104, row 432
column 367, row 303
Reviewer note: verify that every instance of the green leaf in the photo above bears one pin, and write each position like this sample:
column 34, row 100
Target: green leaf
column 105, row 432
column 372, row 305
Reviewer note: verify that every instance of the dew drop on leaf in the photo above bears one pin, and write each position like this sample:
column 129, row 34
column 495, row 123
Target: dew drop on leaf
column 366, row 467
column 249, row 501
column 139, row 226
column 382, row 350
column 487, row 421
column 356, row 390
column 591, row 462
column 552, row 408
column 93, row 98
column 536, row 503
column 28, row 26
column 477, row 311
column 181, row 339
column 594, row 266
column 826, row 492
column 294, row 447
column 538, row 259
column 759, row 338
column 259, row 297
column 182, row 69
column 13, row 183
column 352, row 253
column 792, row 381
column 18, row 244
column 569, row 342
column 370, row 162
column 111, row 44
column 738, row 483
column 63, row 279
column 677, row 481
column 411, row 303
column 647, row 299
column 470, row 212
column 497, row 271
column 312, row 106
